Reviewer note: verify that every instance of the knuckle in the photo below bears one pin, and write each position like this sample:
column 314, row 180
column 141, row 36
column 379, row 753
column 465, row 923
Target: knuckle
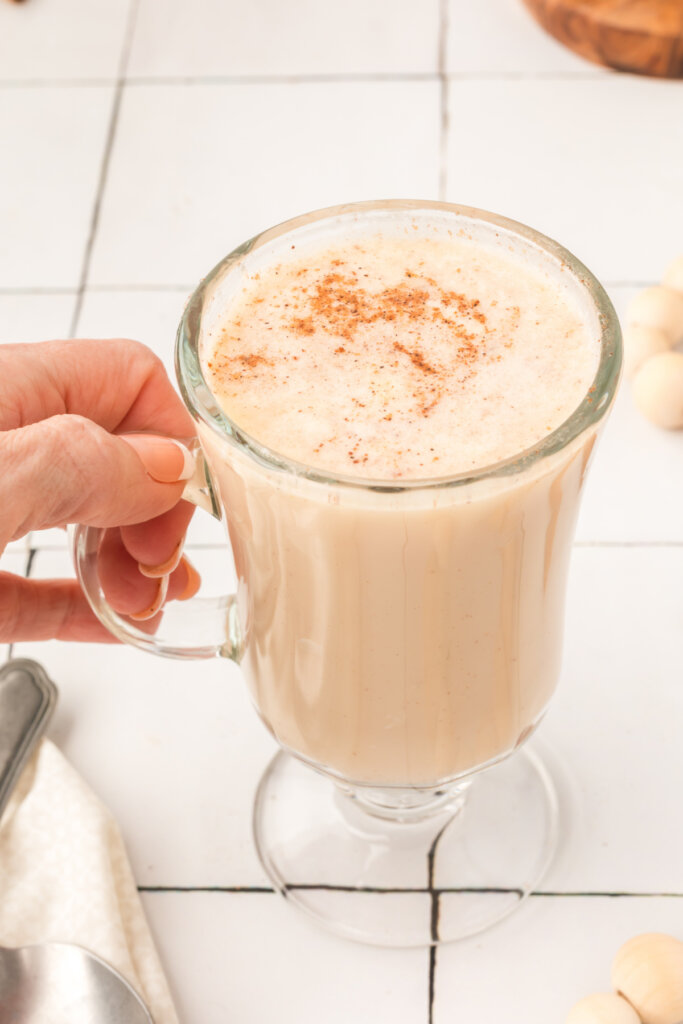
column 138, row 352
column 71, row 446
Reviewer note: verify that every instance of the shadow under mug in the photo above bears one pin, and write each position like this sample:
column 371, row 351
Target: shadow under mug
column 401, row 639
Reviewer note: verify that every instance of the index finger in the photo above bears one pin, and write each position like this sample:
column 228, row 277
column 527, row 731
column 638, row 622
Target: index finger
column 118, row 383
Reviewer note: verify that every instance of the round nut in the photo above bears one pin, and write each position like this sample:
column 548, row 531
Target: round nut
column 648, row 972
column 658, row 393
column 641, row 343
column 673, row 275
column 603, row 1008
column 658, row 307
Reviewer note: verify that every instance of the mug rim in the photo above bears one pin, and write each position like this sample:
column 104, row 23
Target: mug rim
column 594, row 405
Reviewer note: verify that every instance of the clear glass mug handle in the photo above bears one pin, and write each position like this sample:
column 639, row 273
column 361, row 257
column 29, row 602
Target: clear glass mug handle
column 203, row 627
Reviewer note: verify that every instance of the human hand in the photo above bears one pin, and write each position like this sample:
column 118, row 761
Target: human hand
column 64, row 406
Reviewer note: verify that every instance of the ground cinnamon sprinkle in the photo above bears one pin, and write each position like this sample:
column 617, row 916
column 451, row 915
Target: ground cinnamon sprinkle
column 338, row 304
column 253, row 359
column 304, row 325
column 416, row 358
column 399, row 354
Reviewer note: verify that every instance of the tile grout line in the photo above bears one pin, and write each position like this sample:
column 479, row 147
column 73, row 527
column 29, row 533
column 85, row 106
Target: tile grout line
column 104, row 167
column 443, row 99
column 435, row 910
column 408, row 890
column 30, row 558
column 616, row 544
column 228, row 889
column 134, row 81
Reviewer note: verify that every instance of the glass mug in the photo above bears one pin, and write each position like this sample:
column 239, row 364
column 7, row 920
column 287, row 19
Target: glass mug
column 400, row 639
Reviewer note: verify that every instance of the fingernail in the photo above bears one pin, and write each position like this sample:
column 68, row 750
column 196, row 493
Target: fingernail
column 156, row 604
column 194, row 581
column 153, row 572
column 166, row 460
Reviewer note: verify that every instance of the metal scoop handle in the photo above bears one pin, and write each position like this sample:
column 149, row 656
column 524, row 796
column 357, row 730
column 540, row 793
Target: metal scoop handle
column 27, row 700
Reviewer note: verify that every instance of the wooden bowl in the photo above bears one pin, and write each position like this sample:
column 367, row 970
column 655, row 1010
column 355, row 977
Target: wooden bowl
column 643, row 36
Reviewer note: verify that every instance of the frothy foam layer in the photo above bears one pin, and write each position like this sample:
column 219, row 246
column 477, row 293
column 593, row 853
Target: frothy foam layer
column 399, row 357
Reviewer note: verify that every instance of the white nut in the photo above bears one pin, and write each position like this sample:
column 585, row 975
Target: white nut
column 673, row 275
column 658, row 307
column 658, row 393
column 648, row 971
column 641, row 343
column 603, row 1008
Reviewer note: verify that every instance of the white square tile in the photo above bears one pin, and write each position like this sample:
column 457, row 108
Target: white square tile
column 634, row 490
column 14, row 560
column 175, row 750
column 535, row 965
column 252, row 959
column 501, row 37
column 613, row 729
column 48, row 540
column 197, row 170
column 301, row 37
column 69, row 40
column 34, row 317
column 18, row 547
column 592, row 163
column 53, row 142
column 148, row 316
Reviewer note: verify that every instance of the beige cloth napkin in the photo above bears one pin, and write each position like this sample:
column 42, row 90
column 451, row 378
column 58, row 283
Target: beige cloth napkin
column 65, row 877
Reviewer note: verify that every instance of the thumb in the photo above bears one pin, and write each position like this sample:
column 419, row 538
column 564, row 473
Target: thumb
column 68, row 469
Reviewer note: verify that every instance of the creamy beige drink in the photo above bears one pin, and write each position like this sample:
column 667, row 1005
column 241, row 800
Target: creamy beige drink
column 400, row 633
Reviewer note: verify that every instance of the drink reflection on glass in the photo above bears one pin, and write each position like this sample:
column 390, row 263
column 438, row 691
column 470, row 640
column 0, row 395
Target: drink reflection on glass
column 396, row 405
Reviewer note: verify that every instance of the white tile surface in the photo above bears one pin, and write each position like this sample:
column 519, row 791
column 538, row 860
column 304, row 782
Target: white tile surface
column 564, row 157
column 197, row 170
column 251, row 959
column 175, row 750
column 19, row 547
column 501, row 37
column 14, row 561
column 634, row 490
column 48, row 181
column 31, row 317
column 301, row 37
column 148, row 316
column 614, row 726
column 74, row 39
column 535, row 965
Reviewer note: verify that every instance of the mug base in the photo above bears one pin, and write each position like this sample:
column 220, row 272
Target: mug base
column 407, row 882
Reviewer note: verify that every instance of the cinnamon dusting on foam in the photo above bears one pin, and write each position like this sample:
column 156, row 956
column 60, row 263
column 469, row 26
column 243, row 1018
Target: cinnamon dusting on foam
column 365, row 357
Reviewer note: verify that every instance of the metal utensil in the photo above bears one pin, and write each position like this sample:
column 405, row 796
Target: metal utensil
column 64, row 984
column 27, row 700
column 55, row 982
